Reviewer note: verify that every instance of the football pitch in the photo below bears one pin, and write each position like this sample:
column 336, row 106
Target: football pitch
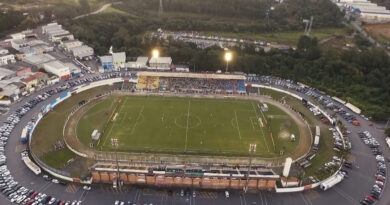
column 188, row 126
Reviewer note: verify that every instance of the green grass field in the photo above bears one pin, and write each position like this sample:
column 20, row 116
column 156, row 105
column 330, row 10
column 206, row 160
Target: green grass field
column 188, row 125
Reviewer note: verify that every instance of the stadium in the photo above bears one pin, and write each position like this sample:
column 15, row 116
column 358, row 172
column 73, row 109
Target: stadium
column 166, row 126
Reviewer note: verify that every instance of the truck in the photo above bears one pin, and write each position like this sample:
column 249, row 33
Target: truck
column 316, row 142
column 330, row 182
column 31, row 165
column 318, row 131
column 24, row 136
column 388, row 141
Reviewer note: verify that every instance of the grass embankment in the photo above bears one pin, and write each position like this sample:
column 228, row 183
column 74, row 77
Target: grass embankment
column 325, row 151
column 49, row 130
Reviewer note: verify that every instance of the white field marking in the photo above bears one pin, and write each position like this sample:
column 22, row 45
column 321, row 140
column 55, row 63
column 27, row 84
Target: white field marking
column 136, row 121
column 238, row 128
column 113, row 124
column 253, row 127
column 115, row 117
column 262, row 132
column 261, row 122
column 188, row 117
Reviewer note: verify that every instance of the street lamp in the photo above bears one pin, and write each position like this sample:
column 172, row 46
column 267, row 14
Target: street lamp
column 115, row 144
column 228, row 58
column 252, row 149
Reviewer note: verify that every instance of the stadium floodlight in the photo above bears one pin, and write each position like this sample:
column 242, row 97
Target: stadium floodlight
column 228, row 58
column 155, row 53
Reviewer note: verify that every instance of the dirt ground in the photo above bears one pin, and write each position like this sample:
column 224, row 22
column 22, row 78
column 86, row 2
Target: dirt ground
column 381, row 32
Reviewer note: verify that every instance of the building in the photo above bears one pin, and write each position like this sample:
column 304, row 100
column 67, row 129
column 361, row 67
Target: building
column 60, row 37
column 23, row 71
column 38, row 60
column 35, row 80
column 19, row 44
column 5, row 73
column 57, row 68
column 50, row 27
column 6, row 59
column 67, row 45
column 119, row 60
column 160, row 63
column 18, row 36
column 36, row 50
column 3, row 51
column 82, row 52
column 74, row 70
column 107, row 63
column 141, row 62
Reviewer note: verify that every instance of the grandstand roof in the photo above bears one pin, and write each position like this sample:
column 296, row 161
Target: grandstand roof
column 194, row 75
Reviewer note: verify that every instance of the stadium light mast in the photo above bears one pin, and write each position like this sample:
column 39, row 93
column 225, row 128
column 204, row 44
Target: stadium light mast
column 228, row 58
column 155, row 54
column 252, row 149
column 115, row 144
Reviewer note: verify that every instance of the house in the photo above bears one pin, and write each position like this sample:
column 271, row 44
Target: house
column 160, row 63
column 62, row 36
column 6, row 59
column 23, row 71
column 119, row 60
column 82, row 52
column 18, row 44
column 35, row 80
column 57, row 68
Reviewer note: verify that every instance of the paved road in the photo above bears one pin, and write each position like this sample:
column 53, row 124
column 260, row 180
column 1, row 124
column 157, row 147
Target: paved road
column 350, row 191
column 100, row 10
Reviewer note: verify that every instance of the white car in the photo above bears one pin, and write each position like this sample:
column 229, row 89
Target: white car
column 87, row 188
column 55, row 181
column 226, row 194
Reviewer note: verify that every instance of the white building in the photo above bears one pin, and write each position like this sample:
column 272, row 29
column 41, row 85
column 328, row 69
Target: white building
column 17, row 36
column 38, row 60
column 67, row 45
column 119, row 60
column 160, row 63
column 57, row 68
column 3, row 51
column 141, row 62
column 83, row 51
column 6, row 59
column 50, row 27
column 59, row 37
column 17, row 44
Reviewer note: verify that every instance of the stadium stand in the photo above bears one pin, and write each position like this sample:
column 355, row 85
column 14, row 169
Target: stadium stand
column 192, row 82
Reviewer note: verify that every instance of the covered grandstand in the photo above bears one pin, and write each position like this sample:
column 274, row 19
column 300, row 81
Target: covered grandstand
column 191, row 82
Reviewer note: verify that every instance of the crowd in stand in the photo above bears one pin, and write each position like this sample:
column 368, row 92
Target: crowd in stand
column 199, row 84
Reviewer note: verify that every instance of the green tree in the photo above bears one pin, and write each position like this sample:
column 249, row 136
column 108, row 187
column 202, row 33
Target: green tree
column 84, row 4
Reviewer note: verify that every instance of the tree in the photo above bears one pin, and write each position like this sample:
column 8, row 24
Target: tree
column 84, row 4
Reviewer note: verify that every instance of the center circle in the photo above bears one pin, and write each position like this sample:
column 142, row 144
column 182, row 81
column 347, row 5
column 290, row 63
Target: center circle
column 184, row 121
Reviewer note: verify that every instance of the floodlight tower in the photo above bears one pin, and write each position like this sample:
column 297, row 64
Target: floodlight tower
column 115, row 144
column 308, row 23
column 160, row 8
column 252, row 149
column 228, row 58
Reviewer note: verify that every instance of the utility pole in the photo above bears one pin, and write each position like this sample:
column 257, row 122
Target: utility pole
column 252, row 149
column 115, row 144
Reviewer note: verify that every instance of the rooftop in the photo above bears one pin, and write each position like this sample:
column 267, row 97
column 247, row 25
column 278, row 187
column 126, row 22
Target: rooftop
column 38, row 59
column 106, row 58
column 119, row 57
column 194, row 75
column 164, row 60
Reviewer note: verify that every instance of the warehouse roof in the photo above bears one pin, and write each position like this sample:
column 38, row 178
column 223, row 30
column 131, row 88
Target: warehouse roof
column 161, row 60
column 119, row 57
column 38, row 59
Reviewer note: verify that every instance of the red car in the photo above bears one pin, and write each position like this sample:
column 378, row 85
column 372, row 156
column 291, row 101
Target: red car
column 370, row 198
